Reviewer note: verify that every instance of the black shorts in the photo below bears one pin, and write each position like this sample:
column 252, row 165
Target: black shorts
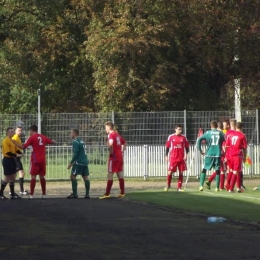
column 9, row 166
column 19, row 165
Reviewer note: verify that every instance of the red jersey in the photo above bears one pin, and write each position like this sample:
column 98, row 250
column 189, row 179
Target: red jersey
column 236, row 143
column 228, row 135
column 177, row 145
column 38, row 143
column 117, row 141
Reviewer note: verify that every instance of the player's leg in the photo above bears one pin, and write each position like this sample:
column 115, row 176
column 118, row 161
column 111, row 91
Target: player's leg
column 208, row 163
column 74, row 182
column 120, row 176
column 230, row 173
column 217, row 169
column 42, row 173
column 237, row 162
column 19, row 169
column 4, row 184
column 210, row 179
column 202, row 179
column 181, row 167
column 85, row 174
column 111, row 166
column 34, row 171
column 222, row 180
column 242, row 180
column 172, row 167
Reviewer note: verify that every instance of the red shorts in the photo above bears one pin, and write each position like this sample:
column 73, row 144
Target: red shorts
column 173, row 165
column 115, row 166
column 38, row 168
column 235, row 163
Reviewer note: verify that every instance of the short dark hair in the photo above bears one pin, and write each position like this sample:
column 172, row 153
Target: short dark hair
column 33, row 128
column 177, row 126
column 239, row 125
column 220, row 125
column 9, row 128
column 214, row 123
column 18, row 126
column 110, row 124
column 76, row 131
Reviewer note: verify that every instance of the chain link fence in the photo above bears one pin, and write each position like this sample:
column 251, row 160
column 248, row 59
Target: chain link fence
column 138, row 128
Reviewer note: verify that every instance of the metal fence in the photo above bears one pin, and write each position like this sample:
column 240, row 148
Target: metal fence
column 138, row 128
column 139, row 161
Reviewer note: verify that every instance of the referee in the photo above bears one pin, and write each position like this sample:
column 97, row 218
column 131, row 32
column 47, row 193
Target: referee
column 9, row 165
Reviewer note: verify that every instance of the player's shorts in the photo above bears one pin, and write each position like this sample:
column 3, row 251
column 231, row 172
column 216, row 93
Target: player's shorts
column 9, row 166
column 212, row 162
column 115, row 166
column 19, row 165
column 223, row 164
column 174, row 165
column 80, row 170
column 38, row 168
column 236, row 163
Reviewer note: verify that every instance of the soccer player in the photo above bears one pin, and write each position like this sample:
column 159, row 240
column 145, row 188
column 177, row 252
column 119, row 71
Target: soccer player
column 117, row 146
column 9, row 154
column 214, row 140
column 229, row 135
column 222, row 165
column 226, row 126
column 19, row 165
column 177, row 149
column 79, row 165
column 38, row 158
column 237, row 146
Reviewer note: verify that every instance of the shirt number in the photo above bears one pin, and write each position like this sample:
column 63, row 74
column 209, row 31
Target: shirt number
column 40, row 140
column 234, row 140
column 118, row 141
column 214, row 139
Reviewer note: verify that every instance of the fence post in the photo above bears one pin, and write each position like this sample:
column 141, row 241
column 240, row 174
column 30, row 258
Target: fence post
column 185, row 122
column 113, row 117
column 251, row 155
column 145, row 161
column 257, row 127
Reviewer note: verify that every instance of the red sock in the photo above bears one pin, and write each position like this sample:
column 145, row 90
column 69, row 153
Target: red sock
column 239, row 180
column 212, row 176
column 169, row 179
column 109, row 186
column 180, row 180
column 229, row 177
column 32, row 186
column 122, row 185
column 43, row 184
column 222, row 180
column 233, row 181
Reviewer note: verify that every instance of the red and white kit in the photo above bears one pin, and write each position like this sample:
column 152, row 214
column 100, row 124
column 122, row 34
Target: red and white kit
column 177, row 145
column 235, row 144
column 38, row 156
column 115, row 160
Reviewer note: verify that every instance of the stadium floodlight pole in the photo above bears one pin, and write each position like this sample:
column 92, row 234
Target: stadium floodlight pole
column 237, row 86
column 39, row 110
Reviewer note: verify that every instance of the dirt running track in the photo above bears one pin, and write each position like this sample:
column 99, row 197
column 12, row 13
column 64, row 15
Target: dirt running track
column 61, row 229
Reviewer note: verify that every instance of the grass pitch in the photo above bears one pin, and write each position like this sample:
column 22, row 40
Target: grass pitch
column 233, row 206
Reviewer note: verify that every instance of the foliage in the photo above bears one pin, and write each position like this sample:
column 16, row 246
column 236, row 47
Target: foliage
column 131, row 55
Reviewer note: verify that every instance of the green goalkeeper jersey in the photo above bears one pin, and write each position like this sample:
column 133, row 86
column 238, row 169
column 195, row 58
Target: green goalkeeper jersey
column 79, row 153
column 214, row 140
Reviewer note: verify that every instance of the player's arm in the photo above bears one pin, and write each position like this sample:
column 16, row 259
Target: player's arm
column 110, row 146
column 244, row 149
column 167, row 149
column 123, row 143
column 75, row 154
column 187, row 149
column 200, row 139
column 49, row 141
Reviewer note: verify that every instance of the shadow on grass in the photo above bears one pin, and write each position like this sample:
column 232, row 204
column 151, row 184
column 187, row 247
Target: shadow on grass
column 231, row 207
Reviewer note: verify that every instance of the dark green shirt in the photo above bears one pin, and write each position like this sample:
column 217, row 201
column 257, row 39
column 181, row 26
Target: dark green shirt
column 214, row 140
column 79, row 153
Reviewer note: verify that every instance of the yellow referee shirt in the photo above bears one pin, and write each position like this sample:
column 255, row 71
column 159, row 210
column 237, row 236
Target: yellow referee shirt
column 16, row 138
column 8, row 146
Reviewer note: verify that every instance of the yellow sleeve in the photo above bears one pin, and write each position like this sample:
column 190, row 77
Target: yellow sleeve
column 8, row 146
column 18, row 140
